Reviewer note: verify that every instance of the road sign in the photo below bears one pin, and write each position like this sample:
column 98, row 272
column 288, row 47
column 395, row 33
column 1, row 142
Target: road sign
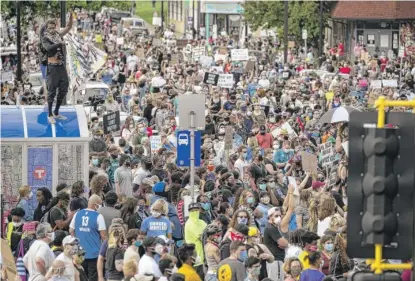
column 39, row 173
column 304, row 34
column 183, row 148
column 187, row 104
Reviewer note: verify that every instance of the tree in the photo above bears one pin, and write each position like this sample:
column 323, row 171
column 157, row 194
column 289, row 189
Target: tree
column 301, row 14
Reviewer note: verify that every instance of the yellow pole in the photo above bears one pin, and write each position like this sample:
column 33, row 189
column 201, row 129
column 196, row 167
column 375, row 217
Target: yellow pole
column 380, row 104
column 377, row 265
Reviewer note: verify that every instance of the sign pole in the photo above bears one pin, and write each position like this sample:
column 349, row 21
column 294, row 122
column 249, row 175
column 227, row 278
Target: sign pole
column 192, row 153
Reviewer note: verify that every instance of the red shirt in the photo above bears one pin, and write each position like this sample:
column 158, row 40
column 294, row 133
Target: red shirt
column 340, row 48
column 264, row 141
column 345, row 70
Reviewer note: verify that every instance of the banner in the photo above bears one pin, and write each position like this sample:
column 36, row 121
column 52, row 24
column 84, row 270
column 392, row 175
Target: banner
column 83, row 60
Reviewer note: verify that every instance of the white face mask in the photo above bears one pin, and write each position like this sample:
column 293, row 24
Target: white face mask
column 17, row 224
column 277, row 220
column 31, row 194
column 159, row 249
column 155, row 214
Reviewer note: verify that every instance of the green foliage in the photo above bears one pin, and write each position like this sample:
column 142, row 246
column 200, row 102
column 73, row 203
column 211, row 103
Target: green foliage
column 301, row 14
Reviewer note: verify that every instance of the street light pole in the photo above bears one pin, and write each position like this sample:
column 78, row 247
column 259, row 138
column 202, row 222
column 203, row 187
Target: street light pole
column 63, row 14
column 320, row 45
column 162, row 15
column 285, row 31
column 19, row 71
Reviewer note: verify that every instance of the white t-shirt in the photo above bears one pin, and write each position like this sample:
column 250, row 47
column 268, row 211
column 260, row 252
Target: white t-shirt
column 132, row 61
column 240, row 164
column 148, row 265
column 69, row 267
column 322, row 226
column 39, row 249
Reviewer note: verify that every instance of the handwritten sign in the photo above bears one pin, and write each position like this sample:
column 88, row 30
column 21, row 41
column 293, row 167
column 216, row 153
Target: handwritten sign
column 333, row 175
column 205, row 61
column 197, row 52
column 211, row 78
column 390, row 83
column 181, row 43
column 309, row 162
column 328, row 155
column 239, row 54
column 155, row 143
column 111, row 122
column 226, row 81
column 120, row 41
column 6, row 76
column 376, row 84
column 140, row 53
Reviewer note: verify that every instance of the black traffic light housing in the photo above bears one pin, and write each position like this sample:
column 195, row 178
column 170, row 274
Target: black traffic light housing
column 380, row 185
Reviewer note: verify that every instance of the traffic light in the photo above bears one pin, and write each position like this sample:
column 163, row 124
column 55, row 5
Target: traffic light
column 369, row 276
column 380, row 185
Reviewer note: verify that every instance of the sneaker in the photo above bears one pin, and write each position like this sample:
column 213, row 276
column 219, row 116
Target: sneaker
column 51, row 120
column 60, row 117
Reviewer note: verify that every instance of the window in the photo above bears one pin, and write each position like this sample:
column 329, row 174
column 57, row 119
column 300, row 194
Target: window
column 180, row 10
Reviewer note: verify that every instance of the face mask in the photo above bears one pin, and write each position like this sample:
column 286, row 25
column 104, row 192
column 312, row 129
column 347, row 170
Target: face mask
column 80, row 259
column 243, row 256
column 256, row 271
column 159, row 249
column 155, row 214
column 51, row 236
column 17, row 224
column 236, row 237
column 30, row 194
column 194, row 214
column 95, row 162
column 263, row 186
column 138, row 243
column 250, row 200
column 206, row 206
column 329, row 247
column 73, row 250
column 271, row 185
column 242, row 220
column 265, row 200
column 114, row 156
column 295, row 271
column 277, row 220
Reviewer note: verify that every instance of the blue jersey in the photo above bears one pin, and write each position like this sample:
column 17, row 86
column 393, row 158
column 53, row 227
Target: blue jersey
column 87, row 230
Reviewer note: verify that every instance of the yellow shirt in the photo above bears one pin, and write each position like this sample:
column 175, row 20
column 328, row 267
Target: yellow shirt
column 189, row 273
column 304, row 261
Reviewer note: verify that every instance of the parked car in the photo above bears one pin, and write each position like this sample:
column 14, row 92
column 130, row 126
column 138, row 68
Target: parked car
column 116, row 16
column 136, row 26
column 36, row 80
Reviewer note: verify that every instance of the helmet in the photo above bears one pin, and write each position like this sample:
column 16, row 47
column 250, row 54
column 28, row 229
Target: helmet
column 212, row 229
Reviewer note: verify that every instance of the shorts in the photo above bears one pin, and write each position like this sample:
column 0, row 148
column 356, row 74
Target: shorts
column 43, row 69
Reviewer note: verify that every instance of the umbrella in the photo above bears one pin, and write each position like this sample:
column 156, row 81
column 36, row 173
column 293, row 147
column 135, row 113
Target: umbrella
column 340, row 114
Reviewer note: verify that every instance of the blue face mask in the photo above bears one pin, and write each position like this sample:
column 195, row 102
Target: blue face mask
column 206, row 206
column 95, row 162
column 250, row 200
column 329, row 247
column 231, row 200
column 262, row 186
column 138, row 243
column 243, row 256
column 242, row 220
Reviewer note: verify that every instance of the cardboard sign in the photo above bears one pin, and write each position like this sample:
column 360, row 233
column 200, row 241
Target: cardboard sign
column 156, row 42
column 228, row 137
column 309, row 162
column 111, row 122
column 197, row 52
column 223, row 51
column 8, row 260
column 226, row 81
column 211, row 78
column 205, row 61
column 291, row 44
column 156, row 21
column 120, row 41
column 140, row 53
column 155, row 143
column 181, row 43
column 345, row 146
column 250, row 65
column 174, row 58
column 390, row 83
column 239, row 54
column 376, row 84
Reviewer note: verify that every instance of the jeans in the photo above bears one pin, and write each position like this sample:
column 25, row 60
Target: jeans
column 90, row 268
column 211, row 277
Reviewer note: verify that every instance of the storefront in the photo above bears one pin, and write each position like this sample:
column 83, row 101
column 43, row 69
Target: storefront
column 222, row 18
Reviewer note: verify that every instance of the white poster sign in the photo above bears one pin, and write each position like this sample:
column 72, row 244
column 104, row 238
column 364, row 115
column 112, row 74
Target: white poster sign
column 6, row 76
column 239, row 54
column 390, row 83
column 197, row 52
column 226, row 81
column 120, row 41
column 155, row 142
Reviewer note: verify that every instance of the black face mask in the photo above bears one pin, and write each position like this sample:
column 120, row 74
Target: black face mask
column 114, row 156
column 208, row 120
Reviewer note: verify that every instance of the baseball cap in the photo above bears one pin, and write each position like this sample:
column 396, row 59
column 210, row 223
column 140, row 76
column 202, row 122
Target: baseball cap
column 62, row 195
column 273, row 210
column 69, row 240
column 194, row 206
column 262, row 128
column 242, row 228
column 149, row 241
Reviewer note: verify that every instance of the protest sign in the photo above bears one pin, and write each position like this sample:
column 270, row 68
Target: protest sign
column 155, row 143
column 250, row 65
column 111, row 122
column 157, row 21
column 286, row 127
column 174, row 59
column 120, row 41
column 309, row 162
column 328, row 155
column 98, row 38
column 83, row 60
column 205, row 61
column 376, row 84
column 333, row 174
column 225, row 81
column 8, row 260
column 291, row 44
column 218, row 69
column 219, row 57
column 197, row 52
column 6, row 76
column 390, row 83
column 140, row 53
column 181, row 43
column 239, row 54
column 211, row 78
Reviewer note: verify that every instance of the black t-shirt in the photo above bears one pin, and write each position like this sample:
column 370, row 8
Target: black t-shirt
column 56, row 214
column 258, row 171
column 114, row 254
column 271, row 236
